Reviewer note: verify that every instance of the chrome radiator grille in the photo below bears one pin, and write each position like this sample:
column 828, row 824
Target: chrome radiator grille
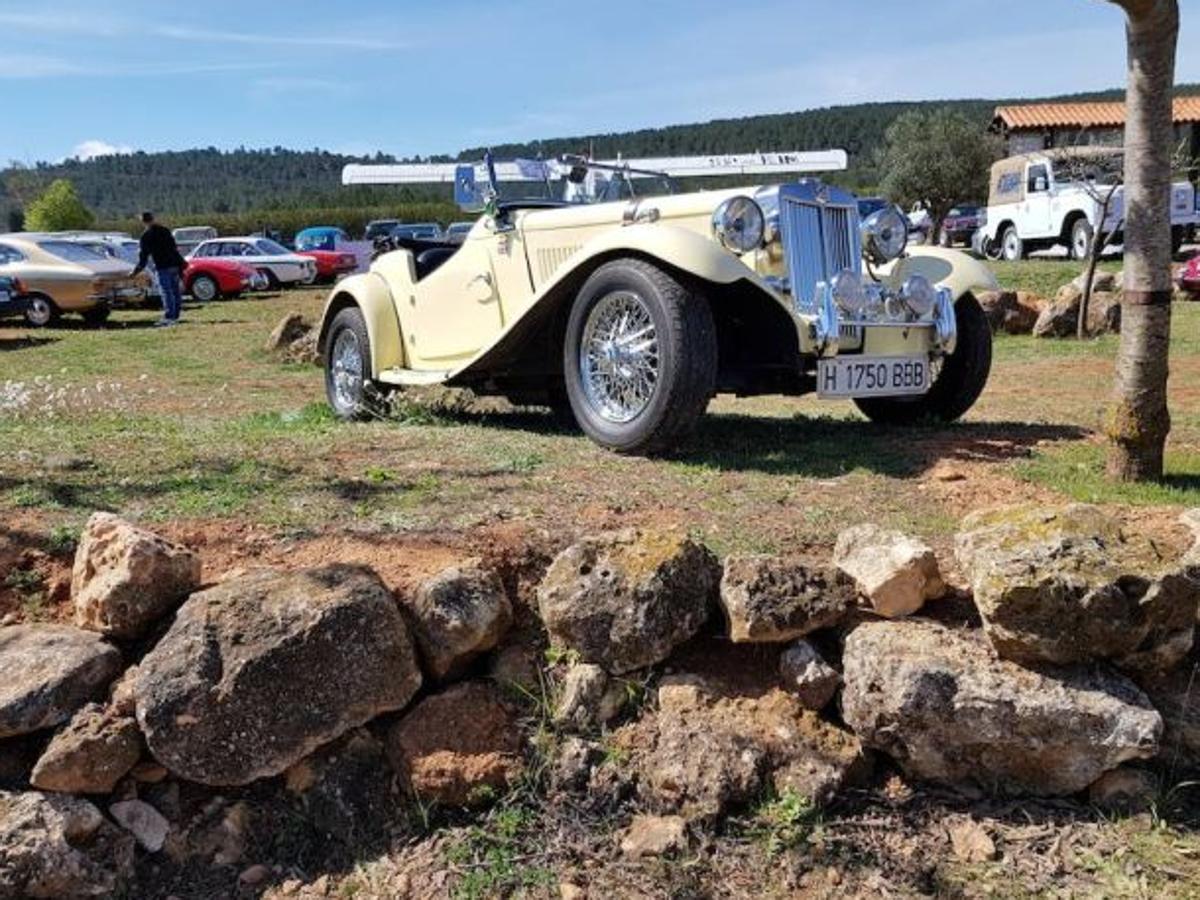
column 820, row 239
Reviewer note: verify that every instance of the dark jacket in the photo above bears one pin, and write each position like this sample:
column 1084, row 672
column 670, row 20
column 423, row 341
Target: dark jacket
column 159, row 244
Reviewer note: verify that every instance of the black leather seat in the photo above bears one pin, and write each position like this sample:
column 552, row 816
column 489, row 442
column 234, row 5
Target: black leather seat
column 428, row 260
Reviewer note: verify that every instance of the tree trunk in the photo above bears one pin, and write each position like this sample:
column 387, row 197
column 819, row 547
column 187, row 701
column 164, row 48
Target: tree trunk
column 1137, row 420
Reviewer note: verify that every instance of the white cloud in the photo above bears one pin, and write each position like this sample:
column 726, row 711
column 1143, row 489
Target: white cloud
column 260, row 39
column 91, row 149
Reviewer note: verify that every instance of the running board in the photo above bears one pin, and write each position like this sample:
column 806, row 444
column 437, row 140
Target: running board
column 412, row 377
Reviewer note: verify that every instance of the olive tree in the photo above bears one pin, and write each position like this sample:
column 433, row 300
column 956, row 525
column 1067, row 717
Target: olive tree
column 59, row 208
column 1138, row 422
column 940, row 158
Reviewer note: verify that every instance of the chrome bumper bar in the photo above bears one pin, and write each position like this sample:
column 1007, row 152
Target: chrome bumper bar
column 827, row 325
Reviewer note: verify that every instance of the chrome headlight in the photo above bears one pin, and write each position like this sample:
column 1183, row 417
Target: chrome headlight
column 919, row 295
column 848, row 293
column 738, row 224
column 884, row 235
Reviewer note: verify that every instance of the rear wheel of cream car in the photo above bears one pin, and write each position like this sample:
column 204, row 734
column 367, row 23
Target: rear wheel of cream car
column 348, row 388
column 639, row 357
column 958, row 379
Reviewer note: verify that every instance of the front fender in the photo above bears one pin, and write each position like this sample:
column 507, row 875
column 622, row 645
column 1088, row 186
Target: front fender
column 678, row 247
column 953, row 269
column 370, row 293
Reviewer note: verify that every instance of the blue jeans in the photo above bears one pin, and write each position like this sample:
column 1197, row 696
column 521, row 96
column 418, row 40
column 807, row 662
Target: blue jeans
column 172, row 293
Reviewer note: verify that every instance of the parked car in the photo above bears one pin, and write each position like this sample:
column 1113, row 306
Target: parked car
column 419, row 231
column 189, row 238
column 124, row 248
column 919, row 223
column 330, row 248
column 280, row 266
column 960, row 225
column 214, row 278
column 1189, row 276
column 62, row 277
column 1037, row 201
column 633, row 314
column 379, row 228
column 13, row 299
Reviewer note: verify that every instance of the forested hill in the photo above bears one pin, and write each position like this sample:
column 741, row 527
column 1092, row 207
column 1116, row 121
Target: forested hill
column 214, row 181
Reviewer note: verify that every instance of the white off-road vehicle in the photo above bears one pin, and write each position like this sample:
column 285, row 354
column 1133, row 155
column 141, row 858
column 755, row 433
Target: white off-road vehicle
column 1053, row 198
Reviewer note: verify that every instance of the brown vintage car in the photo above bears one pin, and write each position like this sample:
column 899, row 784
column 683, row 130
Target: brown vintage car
column 63, row 277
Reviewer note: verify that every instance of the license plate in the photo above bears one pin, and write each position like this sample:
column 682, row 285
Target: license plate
column 878, row 376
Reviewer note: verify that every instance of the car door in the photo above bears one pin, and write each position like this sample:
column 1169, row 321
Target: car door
column 1036, row 212
column 454, row 311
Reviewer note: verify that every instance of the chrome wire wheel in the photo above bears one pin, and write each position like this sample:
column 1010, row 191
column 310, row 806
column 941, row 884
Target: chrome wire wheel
column 619, row 363
column 346, row 372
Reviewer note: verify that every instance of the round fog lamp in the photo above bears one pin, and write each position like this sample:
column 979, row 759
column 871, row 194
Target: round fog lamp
column 848, row 293
column 918, row 295
column 739, row 224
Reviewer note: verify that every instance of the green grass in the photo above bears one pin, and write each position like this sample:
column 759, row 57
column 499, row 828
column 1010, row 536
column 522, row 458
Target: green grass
column 492, row 858
column 1078, row 472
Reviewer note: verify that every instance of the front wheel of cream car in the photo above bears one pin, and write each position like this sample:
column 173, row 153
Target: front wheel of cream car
column 348, row 387
column 639, row 357
column 958, row 379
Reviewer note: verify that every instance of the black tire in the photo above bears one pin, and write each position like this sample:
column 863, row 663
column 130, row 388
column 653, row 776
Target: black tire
column 273, row 283
column 1081, row 240
column 41, row 311
column 205, row 289
column 1012, row 248
column 357, row 398
column 97, row 315
column 686, row 360
column 957, row 385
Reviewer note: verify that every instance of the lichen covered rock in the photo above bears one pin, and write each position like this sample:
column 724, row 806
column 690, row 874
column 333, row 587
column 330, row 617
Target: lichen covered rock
column 91, row 753
column 767, row 599
column 259, row 671
column 1070, row 585
column 625, row 600
column 947, row 709
column 456, row 616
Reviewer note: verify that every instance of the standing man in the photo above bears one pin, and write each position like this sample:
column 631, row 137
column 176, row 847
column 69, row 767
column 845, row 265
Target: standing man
column 159, row 244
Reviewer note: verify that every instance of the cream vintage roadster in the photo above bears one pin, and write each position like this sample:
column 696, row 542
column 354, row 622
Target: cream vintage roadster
column 595, row 290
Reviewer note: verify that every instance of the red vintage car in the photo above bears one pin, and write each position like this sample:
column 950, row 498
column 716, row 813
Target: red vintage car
column 211, row 278
column 331, row 264
column 1189, row 277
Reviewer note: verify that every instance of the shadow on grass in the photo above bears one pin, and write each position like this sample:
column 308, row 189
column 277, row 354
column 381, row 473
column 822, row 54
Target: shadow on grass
column 25, row 343
column 819, row 447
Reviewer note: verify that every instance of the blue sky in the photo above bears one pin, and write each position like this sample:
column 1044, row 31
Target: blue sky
column 439, row 75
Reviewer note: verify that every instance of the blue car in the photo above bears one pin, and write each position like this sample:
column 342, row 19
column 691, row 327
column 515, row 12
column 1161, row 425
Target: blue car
column 322, row 237
column 13, row 301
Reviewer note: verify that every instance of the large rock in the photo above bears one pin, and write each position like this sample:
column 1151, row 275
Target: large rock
column 291, row 328
column 1068, row 584
column 1010, row 312
column 589, row 697
column 90, row 754
column 947, row 709
column 708, row 748
column 770, row 599
column 50, row 671
column 60, row 847
column 625, row 599
column 457, row 615
column 126, row 578
column 259, row 671
column 461, row 747
column 897, row 573
column 1060, row 318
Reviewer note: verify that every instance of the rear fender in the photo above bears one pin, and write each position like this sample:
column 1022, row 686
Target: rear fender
column 370, row 293
column 953, row 269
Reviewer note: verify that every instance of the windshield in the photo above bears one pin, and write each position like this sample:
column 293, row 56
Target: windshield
column 270, row 248
column 424, row 231
column 315, row 242
column 72, row 252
